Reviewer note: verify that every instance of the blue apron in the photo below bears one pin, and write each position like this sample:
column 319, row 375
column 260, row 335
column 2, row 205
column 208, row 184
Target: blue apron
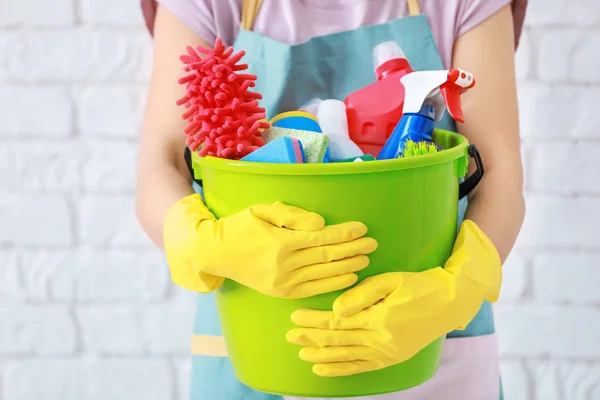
column 326, row 67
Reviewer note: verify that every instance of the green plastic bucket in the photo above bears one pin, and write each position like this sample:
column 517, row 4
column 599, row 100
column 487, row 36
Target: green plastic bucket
column 410, row 207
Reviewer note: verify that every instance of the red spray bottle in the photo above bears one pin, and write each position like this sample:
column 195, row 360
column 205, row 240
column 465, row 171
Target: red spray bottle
column 374, row 110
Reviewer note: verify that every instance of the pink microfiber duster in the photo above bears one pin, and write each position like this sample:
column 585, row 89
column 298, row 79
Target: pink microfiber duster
column 223, row 116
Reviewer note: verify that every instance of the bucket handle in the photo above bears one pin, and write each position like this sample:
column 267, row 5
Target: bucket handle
column 187, row 156
column 464, row 188
column 471, row 182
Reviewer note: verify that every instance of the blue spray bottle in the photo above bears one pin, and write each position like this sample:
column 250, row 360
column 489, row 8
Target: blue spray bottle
column 427, row 95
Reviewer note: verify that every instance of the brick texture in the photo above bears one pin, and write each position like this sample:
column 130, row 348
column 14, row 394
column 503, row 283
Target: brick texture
column 87, row 309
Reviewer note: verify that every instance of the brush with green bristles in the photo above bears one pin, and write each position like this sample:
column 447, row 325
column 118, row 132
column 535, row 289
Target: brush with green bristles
column 412, row 149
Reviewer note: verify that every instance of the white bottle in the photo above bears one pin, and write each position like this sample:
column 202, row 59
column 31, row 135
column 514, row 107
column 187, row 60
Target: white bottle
column 333, row 121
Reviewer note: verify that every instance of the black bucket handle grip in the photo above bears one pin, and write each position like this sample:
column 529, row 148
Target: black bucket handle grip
column 187, row 155
column 471, row 182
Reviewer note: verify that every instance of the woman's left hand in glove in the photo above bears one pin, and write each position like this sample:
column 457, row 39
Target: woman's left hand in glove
column 388, row 318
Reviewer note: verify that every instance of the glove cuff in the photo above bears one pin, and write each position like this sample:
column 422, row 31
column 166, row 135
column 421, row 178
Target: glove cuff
column 182, row 244
column 476, row 259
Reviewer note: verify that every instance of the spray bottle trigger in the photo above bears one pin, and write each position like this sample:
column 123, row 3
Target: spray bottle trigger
column 451, row 95
column 458, row 82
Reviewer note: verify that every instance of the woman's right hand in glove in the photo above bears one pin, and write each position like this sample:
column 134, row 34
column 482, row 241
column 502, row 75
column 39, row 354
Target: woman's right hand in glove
column 275, row 249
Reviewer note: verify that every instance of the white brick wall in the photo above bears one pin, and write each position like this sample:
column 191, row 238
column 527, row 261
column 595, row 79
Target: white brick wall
column 86, row 307
column 549, row 317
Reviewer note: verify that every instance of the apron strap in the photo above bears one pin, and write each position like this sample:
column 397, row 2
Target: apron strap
column 413, row 7
column 249, row 12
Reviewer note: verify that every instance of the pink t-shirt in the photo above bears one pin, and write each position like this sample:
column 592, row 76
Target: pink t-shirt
column 296, row 21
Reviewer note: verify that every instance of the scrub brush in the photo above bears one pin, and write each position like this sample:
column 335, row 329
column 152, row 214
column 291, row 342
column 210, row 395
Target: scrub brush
column 412, row 149
column 222, row 114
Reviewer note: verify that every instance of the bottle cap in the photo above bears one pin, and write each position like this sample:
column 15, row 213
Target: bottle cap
column 386, row 51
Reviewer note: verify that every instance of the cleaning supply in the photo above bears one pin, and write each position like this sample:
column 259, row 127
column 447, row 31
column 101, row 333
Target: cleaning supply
column 222, row 114
column 300, row 120
column 332, row 118
column 388, row 318
column 314, row 144
column 428, row 94
column 249, row 246
column 365, row 157
column 283, row 150
column 254, row 325
column 374, row 110
column 412, row 149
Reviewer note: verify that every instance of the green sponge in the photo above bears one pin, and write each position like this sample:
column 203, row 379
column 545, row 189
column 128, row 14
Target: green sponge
column 314, row 144
column 412, row 149
column 364, row 157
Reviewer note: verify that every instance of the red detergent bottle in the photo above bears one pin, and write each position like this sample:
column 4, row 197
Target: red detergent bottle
column 374, row 110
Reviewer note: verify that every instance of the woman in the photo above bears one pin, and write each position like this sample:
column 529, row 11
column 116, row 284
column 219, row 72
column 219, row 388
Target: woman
column 476, row 35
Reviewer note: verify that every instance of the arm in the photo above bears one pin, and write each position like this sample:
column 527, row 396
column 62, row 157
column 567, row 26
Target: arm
column 379, row 315
column 162, row 175
column 202, row 251
column 497, row 205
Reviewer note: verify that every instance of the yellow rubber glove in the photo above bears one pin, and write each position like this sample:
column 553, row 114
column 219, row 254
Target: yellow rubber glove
column 388, row 318
column 275, row 249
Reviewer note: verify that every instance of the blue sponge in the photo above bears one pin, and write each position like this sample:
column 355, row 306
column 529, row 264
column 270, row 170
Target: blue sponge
column 314, row 144
column 283, row 150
